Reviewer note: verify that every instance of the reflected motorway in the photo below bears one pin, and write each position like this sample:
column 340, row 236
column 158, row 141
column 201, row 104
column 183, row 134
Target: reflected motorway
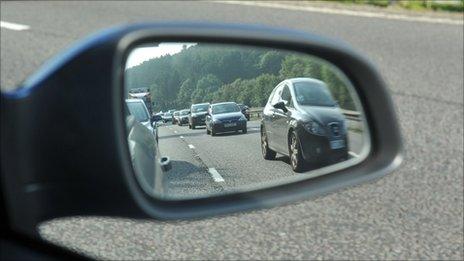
column 204, row 164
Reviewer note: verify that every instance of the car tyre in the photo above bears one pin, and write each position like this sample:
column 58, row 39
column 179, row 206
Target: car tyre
column 207, row 131
column 294, row 151
column 244, row 130
column 268, row 154
column 213, row 132
column 193, row 127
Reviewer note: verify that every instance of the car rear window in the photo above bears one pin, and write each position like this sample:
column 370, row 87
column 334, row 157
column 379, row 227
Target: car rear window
column 224, row 108
column 200, row 108
column 137, row 109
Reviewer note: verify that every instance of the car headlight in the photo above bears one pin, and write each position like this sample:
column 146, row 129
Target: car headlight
column 216, row 121
column 314, row 128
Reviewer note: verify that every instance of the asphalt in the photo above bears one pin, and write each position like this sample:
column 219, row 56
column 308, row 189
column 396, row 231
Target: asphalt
column 236, row 157
column 414, row 213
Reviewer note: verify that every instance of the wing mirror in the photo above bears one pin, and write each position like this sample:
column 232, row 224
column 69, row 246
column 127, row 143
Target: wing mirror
column 363, row 138
column 280, row 105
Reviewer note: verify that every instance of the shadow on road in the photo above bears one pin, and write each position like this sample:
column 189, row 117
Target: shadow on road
column 308, row 167
column 232, row 133
column 192, row 134
column 182, row 169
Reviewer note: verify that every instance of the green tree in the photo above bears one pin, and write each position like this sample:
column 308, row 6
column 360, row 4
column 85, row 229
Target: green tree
column 300, row 66
column 271, row 62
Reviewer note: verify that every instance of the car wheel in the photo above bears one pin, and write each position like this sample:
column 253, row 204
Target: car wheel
column 213, row 132
column 244, row 130
column 267, row 152
column 193, row 127
column 296, row 158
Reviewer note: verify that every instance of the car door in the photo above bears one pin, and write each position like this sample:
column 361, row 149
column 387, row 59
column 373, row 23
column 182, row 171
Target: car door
column 281, row 119
column 273, row 117
column 208, row 118
column 267, row 114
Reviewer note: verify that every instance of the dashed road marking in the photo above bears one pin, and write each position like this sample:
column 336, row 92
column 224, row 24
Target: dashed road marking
column 191, row 146
column 175, row 131
column 353, row 154
column 215, row 175
column 14, row 26
column 182, row 137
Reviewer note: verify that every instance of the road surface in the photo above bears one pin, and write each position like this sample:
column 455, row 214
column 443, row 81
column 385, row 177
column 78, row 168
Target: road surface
column 203, row 164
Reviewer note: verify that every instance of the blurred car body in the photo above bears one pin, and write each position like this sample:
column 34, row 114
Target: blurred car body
column 245, row 110
column 139, row 110
column 167, row 116
column 183, row 117
column 198, row 114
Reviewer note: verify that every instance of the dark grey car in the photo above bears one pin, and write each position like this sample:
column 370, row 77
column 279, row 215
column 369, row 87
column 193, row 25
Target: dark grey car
column 198, row 114
column 303, row 121
column 225, row 117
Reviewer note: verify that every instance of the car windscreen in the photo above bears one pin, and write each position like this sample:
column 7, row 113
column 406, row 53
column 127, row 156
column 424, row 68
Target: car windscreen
column 224, row 108
column 200, row 108
column 138, row 110
column 182, row 113
column 313, row 94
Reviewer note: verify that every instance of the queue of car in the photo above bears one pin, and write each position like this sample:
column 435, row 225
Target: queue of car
column 300, row 120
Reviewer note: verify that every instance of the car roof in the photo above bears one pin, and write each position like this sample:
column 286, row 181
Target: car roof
column 304, row 79
column 220, row 103
column 205, row 103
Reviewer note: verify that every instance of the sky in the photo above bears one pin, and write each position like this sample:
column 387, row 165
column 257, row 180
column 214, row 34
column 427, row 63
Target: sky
column 141, row 54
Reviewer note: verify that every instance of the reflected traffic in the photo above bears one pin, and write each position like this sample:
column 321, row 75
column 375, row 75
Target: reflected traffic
column 235, row 117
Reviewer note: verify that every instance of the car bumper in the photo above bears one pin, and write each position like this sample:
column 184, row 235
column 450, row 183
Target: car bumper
column 220, row 127
column 317, row 149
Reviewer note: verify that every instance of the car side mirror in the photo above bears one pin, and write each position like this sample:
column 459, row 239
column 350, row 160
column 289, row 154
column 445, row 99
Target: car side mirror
column 280, row 105
column 136, row 186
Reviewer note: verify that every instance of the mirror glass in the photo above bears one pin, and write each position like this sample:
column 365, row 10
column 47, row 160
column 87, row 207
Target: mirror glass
column 209, row 118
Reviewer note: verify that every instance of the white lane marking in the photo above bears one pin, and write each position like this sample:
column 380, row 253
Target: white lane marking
column 13, row 26
column 182, row 137
column 353, row 154
column 175, row 131
column 216, row 176
column 327, row 10
column 191, row 146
